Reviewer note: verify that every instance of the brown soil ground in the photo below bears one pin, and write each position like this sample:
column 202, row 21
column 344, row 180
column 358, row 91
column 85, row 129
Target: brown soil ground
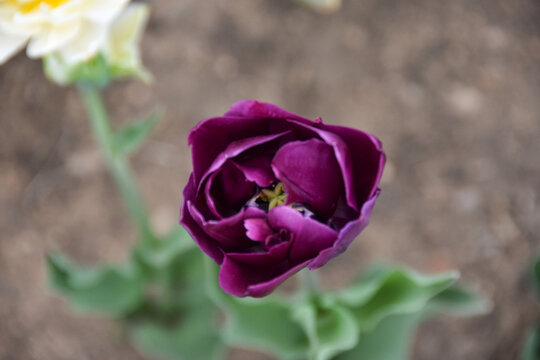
column 451, row 87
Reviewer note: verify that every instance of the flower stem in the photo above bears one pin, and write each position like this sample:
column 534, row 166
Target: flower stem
column 309, row 281
column 117, row 164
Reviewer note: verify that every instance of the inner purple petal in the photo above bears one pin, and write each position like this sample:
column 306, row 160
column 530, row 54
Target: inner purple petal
column 257, row 169
column 227, row 190
column 310, row 174
column 257, row 229
column 238, row 148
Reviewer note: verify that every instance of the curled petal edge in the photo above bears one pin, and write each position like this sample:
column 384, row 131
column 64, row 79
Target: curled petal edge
column 346, row 235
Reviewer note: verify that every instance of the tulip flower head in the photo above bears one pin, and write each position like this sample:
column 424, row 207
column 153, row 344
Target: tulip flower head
column 272, row 192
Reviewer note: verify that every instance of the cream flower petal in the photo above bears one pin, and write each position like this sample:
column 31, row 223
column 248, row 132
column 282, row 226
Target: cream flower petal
column 126, row 32
column 10, row 45
column 90, row 38
column 103, row 11
column 52, row 38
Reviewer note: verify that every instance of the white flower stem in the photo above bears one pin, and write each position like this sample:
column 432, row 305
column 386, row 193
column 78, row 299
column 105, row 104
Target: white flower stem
column 118, row 165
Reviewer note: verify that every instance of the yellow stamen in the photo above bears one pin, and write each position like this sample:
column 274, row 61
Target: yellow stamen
column 274, row 197
column 31, row 5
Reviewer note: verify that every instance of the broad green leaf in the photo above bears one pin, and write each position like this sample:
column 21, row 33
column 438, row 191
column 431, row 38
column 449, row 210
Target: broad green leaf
column 194, row 336
column 458, row 301
column 130, row 137
column 264, row 324
column 164, row 250
column 531, row 350
column 189, row 329
column 189, row 341
column 330, row 328
column 108, row 290
column 386, row 292
column 390, row 340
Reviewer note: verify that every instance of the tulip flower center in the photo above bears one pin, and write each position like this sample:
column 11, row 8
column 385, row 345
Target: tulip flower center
column 274, row 195
column 31, row 5
column 270, row 197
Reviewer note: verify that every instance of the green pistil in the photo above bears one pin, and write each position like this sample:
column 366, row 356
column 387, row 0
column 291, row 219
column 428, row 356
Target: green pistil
column 275, row 196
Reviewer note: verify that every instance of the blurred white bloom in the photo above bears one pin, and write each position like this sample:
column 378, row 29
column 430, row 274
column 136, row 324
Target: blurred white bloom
column 118, row 57
column 122, row 47
column 74, row 29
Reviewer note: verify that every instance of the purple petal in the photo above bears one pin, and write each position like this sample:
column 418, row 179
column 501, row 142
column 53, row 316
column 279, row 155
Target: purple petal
column 236, row 148
column 310, row 174
column 229, row 232
column 212, row 136
column 258, row 170
column 227, row 190
column 241, row 279
column 275, row 255
column 343, row 157
column 257, row 109
column 205, row 242
column 346, row 235
column 310, row 237
column 368, row 159
column 257, row 229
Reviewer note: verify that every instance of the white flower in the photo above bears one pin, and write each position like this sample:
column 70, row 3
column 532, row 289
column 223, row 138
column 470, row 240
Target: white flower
column 122, row 47
column 119, row 56
column 74, row 29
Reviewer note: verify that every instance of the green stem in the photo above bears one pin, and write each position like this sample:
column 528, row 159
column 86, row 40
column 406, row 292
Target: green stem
column 118, row 164
column 309, row 281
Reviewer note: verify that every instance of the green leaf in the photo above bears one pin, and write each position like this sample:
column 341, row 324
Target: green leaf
column 458, row 301
column 195, row 336
column 129, row 138
column 189, row 341
column 186, row 327
column 390, row 340
column 108, row 290
column 531, row 350
column 330, row 328
column 264, row 324
column 161, row 253
column 385, row 292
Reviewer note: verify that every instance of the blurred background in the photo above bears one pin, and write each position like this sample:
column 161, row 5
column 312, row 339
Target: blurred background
column 450, row 87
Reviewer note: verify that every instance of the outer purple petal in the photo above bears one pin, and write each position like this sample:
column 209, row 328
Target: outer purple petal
column 346, row 235
column 276, row 254
column 367, row 158
column 257, row 109
column 212, row 136
column 205, row 242
column 310, row 174
column 309, row 236
column 240, row 279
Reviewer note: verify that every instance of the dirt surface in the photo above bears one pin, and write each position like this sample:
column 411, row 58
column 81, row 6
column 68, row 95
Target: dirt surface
column 452, row 88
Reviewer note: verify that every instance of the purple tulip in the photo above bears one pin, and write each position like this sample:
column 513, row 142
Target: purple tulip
column 272, row 192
